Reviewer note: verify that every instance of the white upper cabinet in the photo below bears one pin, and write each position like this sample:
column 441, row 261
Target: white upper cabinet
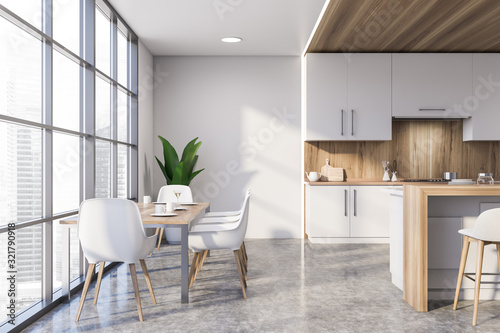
column 326, row 96
column 348, row 96
column 369, row 96
column 485, row 101
column 431, row 85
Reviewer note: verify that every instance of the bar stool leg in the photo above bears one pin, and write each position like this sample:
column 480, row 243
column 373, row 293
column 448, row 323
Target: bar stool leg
column 479, row 267
column 465, row 251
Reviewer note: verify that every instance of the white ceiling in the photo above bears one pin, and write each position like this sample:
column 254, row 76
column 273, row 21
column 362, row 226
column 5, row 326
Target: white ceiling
column 195, row 27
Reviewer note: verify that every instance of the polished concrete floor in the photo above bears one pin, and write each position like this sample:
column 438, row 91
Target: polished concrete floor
column 293, row 286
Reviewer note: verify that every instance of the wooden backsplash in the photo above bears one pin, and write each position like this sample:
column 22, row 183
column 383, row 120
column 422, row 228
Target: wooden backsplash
column 422, row 149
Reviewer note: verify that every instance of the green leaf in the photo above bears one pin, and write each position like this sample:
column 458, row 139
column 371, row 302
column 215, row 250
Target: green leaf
column 194, row 174
column 189, row 155
column 169, row 180
column 170, row 157
column 188, row 148
column 180, row 175
column 193, row 163
column 175, row 171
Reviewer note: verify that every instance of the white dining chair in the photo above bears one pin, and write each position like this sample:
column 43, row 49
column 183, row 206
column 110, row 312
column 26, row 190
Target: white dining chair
column 486, row 231
column 212, row 236
column 227, row 217
column 230, row 216
column 166, row 194
column 112, row 230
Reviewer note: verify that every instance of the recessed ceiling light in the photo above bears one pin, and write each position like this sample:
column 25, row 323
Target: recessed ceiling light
column 231, row 39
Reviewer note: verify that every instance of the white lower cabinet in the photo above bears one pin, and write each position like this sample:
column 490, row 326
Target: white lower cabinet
column 327, row 211
column 347, row 214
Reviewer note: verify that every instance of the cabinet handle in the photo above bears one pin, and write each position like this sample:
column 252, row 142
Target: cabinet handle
column 342, row 122
column 352, row 122
column 355, row 203
column 345, row 202
column 432, row 109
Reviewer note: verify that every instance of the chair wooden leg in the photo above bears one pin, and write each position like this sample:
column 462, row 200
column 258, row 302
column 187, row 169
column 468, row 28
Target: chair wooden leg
column 479, row 267
column 465, row 251
column 148, row 279
column 133, row 275
column 498, row 256
column 99, row 278
column 243, row 257
column 244, row 248
column 197, row 264
column 204, row 255
column 243, row 267
column 156, row 234
column 240, row 272
column 243, row 264
column 159, row 239
column 90, row 272
column 192, row 273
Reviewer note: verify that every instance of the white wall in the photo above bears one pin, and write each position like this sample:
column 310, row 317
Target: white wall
column 145, row 117
column 235, row 105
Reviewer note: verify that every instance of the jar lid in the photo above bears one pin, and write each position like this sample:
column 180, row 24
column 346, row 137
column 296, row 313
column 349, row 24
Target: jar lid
column 485, row 174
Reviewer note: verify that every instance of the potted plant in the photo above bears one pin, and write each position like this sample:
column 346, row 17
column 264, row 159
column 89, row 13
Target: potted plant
column 178, row 172
column 175, row 171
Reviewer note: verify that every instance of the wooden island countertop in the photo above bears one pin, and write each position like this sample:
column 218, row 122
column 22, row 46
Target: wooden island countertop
column 415, row 231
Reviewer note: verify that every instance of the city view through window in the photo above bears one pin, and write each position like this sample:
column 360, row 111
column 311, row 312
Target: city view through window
column 60, row 142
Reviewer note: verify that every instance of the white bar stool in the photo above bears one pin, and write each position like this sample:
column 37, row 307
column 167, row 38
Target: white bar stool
column 486, row 231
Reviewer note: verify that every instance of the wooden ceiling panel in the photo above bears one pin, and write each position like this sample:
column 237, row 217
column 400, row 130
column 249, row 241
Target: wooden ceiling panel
column 409, row 26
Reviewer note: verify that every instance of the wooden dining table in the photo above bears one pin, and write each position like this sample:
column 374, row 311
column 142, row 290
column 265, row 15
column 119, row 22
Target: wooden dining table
column 183, row 220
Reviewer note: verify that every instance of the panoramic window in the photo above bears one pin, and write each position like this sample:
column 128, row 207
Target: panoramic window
column 65, row 135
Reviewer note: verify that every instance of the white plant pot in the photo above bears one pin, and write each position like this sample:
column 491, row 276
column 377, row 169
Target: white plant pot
column 173, row 235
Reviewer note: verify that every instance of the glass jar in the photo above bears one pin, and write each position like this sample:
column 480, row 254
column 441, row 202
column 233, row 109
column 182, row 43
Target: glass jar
column 485, row 179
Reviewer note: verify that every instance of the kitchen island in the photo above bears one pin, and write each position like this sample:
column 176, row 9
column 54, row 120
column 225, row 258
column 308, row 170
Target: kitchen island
column 416, row 198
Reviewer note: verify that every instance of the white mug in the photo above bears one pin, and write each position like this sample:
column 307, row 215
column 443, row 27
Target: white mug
column 170, row 206
column 160, row 208
column 146, row 199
